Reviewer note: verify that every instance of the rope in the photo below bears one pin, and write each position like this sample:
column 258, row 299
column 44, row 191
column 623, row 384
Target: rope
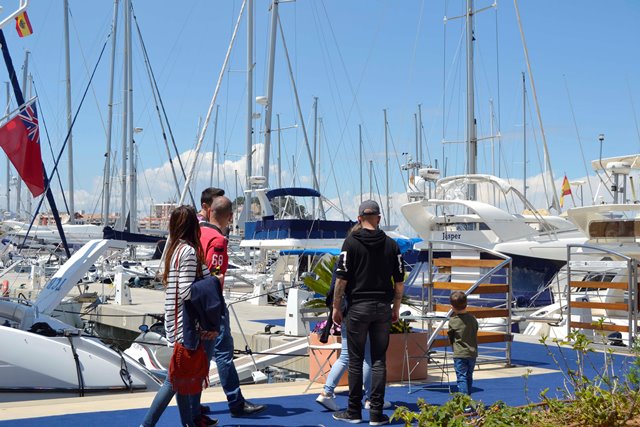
column 66, row 139
column 76, row 359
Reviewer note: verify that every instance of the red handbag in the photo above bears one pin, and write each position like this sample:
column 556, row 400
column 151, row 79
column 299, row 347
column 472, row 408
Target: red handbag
column 188, row 369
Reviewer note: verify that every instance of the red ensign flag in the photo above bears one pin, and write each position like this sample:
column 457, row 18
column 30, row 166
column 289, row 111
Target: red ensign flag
column 20, row 140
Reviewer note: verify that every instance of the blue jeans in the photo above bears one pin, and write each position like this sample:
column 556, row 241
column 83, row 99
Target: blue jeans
column 222, row 349
column 161, row 401
column 338, row 368
column 464, row 374
column 370, row 319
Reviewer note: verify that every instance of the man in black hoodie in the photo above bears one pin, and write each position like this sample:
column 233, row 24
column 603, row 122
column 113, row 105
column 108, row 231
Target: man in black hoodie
column 370, row 275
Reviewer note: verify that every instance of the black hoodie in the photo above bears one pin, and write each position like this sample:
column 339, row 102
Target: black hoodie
column 370, row 262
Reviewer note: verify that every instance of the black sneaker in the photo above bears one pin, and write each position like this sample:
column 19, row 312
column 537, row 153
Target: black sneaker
column 378, row 420
column 346, row 417
column 247, row 409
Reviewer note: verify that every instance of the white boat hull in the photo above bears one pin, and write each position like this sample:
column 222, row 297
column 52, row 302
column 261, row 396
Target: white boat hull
column 37, row 367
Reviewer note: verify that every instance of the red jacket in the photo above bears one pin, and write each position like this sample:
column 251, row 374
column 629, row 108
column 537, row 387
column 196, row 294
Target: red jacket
column 214, row 244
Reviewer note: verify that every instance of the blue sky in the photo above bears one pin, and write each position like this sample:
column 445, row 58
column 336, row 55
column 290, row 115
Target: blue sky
column 359, row 57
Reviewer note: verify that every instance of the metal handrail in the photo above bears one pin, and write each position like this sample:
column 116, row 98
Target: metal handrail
column 506, row 261
column 632, row 296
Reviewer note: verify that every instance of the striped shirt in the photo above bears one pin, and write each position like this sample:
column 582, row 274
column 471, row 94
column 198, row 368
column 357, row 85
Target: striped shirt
column 182, row 274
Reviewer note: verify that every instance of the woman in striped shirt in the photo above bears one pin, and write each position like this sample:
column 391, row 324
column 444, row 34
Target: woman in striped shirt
column 183, row 263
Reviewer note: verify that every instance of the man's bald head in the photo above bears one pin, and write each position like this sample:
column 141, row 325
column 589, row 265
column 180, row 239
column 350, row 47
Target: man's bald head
column 221, row 211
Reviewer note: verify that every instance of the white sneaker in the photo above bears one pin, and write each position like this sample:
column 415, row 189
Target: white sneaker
column 328, row 402
column 385, row 405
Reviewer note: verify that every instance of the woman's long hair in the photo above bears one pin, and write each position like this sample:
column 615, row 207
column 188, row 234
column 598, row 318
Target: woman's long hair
column 183, row 227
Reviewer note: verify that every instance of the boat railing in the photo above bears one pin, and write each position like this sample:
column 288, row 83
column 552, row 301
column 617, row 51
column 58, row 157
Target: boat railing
column 602, row 294
column 457, row 266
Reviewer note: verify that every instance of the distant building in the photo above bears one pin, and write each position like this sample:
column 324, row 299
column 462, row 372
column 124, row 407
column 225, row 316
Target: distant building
column 159, row 219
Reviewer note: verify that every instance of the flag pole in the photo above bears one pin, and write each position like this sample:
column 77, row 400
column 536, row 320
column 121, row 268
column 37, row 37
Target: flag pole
column 20, row 100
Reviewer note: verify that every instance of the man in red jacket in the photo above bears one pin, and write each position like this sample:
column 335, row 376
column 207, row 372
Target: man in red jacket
column 214, row 244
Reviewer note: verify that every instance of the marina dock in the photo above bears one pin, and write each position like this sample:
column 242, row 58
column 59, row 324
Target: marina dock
column 533, row 371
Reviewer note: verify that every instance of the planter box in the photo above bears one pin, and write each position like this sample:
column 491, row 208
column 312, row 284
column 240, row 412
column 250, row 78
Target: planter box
column 416, row 343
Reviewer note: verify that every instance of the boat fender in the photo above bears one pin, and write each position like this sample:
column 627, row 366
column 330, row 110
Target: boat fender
column 4, row 288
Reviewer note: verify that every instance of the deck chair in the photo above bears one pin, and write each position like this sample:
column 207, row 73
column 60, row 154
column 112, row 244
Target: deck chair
column 320, row 353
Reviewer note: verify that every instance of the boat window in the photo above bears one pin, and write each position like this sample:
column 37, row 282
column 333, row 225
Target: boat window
column 614, row 229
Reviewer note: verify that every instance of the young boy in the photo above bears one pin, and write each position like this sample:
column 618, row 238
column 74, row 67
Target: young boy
column 463, row 334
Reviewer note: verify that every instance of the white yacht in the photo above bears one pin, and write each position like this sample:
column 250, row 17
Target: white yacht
column 42, row 357
column 536, row 243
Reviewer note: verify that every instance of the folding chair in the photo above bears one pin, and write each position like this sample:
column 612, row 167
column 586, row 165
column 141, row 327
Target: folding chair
column 318, row 352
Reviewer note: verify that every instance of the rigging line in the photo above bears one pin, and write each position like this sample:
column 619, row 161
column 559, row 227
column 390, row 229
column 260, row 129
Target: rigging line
column 575, row 124
column 155, row 99
column 332, row 78
column 302, row 122
column 212, row 103
column 395, row 150
column 144, row 175
column 451, row 82
column 633, row 108
column 332, row 81
column 556, row 201
column 354, row 103
column 84, row 62
column 157, row 91
column 499, row 122
column 355, row 92
column 46, row 131
column 540, row 161
column 335, row 179
column 334, row 90
column 240, row 106
column 415, row 43
column 64, row 144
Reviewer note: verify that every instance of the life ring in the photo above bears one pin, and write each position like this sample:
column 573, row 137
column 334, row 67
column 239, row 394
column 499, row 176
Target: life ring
column 4, row 288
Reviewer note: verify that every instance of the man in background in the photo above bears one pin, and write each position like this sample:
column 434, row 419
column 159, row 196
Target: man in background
column 213, row 230
column 370, row 275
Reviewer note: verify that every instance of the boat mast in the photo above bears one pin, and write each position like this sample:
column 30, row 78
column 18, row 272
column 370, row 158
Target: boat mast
column 25, row 70
column 421, row 157
column 315, row 149
column 472, row 140
column 8, row 109
column 125, row 116
column 67, row 61
column 106, row 182
column 279, row 152
column 214, row 156
column 387, row 219
column 247, row 199
column 524, row 132
column 133, row 191
column 301, row 117
column 268, row 113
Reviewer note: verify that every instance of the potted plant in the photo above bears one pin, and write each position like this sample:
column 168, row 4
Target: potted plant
column 401, row 333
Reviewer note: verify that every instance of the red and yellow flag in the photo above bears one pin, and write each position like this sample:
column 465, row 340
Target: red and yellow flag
column 23, row 26
column 566, row 190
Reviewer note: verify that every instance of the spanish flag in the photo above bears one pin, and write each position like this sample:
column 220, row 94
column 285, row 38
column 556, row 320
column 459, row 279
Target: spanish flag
column 566, row 190
column 23, row 26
